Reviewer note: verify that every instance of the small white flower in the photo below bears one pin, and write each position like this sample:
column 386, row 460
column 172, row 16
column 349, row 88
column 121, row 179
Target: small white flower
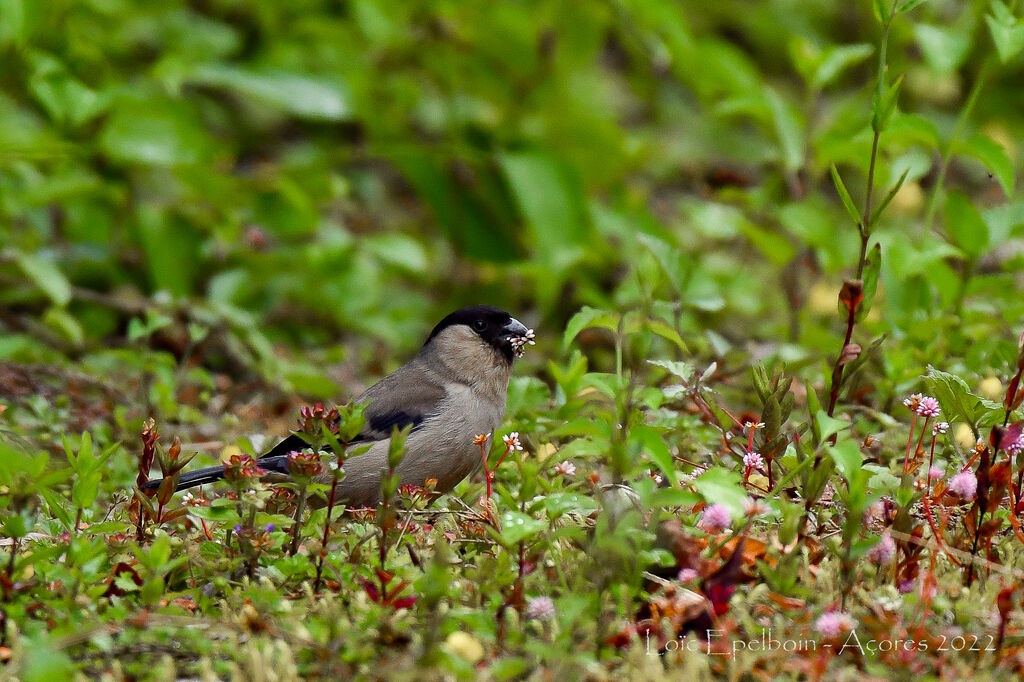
column 939, row 427
column 512, row 441
column 753, row 425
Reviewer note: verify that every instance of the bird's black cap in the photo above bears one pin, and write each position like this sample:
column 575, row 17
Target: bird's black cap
column 492, row 324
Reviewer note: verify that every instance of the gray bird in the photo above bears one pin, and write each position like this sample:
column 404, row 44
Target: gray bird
column 453, row 390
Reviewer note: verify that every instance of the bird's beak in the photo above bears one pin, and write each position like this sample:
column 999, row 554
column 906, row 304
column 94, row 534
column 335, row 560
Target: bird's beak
column 517, row 336
column 514, row 328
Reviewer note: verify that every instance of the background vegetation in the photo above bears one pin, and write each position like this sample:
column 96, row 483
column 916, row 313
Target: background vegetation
column 214, row 211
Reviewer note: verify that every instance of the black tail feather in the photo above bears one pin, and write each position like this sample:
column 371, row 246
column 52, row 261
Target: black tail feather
column 191, row 479
column 275, row 460
column 269, row 462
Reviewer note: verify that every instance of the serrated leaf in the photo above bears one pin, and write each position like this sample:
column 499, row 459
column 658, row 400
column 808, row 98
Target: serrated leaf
column 844, row 195
column 683, row 370
column 953, row 395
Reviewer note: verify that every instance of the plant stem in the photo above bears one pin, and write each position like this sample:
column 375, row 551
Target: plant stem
column 300, row 507
column 327, row 531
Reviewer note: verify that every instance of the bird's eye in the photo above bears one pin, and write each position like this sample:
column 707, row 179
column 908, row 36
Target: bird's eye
column 479, row 325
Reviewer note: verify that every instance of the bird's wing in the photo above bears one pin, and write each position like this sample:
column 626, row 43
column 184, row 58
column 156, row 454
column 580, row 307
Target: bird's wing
column 409, row 396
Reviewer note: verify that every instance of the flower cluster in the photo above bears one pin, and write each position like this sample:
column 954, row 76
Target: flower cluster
column 520, row 342
column 715, row 519
column 305, row 464
column 753, row 460
column 242, row 468
column 964, row 485
column 310, row 419
column 540, row 608
column 834, row 623
column 884, row 551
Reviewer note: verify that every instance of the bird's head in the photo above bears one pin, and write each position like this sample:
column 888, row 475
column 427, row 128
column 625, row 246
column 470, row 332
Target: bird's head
column 481, row 328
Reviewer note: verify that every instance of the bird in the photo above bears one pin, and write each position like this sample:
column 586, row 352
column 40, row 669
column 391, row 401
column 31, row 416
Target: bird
column 452, row 391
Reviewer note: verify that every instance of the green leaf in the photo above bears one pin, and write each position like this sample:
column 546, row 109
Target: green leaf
column 723, row 486
column 218, row 514
column 908, row 5
column 789, row 129
column 1007, row 32
column 877, row 213
column 882, row 8
column 991, row 154
column 683, row 370
column 838, row 58
column 953, row 394
column 656, row 450
column 882, row 107
column 672, row 497
column 944, row 48
column 829, row 426
column 45, row 275
column 155, row 132
column 516, row 526
column 588, row 318
column 844, row 195
column 846, row 455
column 304, row 96
column 872, row 267
column 550, row 198
column 965, row 225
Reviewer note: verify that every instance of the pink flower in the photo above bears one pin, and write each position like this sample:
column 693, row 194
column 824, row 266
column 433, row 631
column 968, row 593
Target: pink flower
column 884, row 551
column 566, row 468
column 1016, row 446
column 753, row 460
column 540, row 608
column 964, row 484
column 687, row 575
column 715, row 519
column 833, row 623
column 928, row 407
column 906, row 586
column 936, row 473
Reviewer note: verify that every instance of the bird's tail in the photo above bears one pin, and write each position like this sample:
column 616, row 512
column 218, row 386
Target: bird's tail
column 191, row 479
column 269, row 462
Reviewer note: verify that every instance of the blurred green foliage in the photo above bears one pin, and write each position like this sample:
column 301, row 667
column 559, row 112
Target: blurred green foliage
column 297, row 172
column 196, row 193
